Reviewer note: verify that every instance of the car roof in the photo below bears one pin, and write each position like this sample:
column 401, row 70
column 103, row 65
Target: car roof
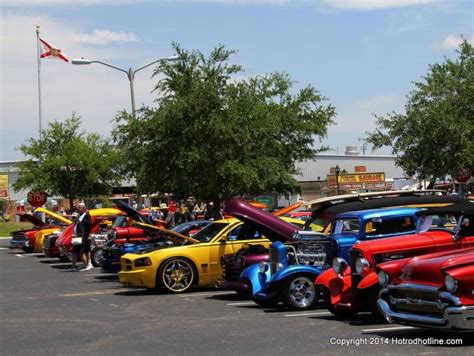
column 399, row 201
column 373, row 213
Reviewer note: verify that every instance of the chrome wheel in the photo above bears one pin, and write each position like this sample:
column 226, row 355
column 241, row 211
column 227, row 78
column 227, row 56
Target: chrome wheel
column 177, row 275
column 96, row 257
column 301, row 292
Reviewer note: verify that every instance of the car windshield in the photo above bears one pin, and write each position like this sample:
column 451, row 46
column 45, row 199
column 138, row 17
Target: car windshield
column 209, row 232
column 185, row 228
column 120, row 221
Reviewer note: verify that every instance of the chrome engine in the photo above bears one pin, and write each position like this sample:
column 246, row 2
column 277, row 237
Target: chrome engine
column 309, row 249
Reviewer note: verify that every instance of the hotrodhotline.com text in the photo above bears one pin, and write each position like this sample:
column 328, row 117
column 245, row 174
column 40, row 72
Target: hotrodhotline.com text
column 393, row 341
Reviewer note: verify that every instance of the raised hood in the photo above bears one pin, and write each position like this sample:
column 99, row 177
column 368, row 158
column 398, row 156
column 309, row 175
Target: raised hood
column 32, row 219
column 36, row 221
column 133, row 213
column 172, row 235
column 274, row 228
column 54, row 215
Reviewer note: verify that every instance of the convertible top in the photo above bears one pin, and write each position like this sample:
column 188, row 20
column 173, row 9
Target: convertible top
column 464, row 207
column 414, row 201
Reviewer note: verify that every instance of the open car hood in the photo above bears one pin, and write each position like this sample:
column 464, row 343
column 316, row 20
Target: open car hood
column 54, row 215
column 31, row 218
column 132, row 212
column 172, row 235
column 272, row 227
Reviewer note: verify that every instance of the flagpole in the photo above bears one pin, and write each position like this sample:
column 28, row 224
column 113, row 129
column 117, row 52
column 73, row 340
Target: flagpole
column 39, row 77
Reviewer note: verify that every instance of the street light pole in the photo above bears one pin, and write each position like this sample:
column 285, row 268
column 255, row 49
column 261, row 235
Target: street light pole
column 130, row 72
column 338, row 170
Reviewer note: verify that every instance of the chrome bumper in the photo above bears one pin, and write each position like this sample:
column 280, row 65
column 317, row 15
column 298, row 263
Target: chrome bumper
column 453, row 317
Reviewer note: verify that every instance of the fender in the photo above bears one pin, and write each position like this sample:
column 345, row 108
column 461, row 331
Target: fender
column 297, row 269
column 368, row 281
column 257, row 280
column 325, row 278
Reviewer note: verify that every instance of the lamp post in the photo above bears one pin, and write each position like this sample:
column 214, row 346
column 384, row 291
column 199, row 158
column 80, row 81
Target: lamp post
column 130, row 72
column 338, row 170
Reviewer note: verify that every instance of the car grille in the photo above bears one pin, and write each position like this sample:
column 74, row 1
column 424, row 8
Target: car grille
column 19, row 237
column 418, row 299
column 232, row 268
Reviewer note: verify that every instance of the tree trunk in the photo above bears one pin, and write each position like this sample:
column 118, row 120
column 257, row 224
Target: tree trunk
column 71, row 203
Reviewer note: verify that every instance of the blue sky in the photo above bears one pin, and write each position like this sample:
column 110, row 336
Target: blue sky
column 363, row 55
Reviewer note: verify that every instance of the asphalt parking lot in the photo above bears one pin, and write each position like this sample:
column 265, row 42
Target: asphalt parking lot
column 46, row 311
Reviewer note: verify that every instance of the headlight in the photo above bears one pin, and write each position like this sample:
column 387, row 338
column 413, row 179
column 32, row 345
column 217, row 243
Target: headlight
column 451, row 283
column 263, row 267
column 361, row 264
column 27, row 243
column 279, row 266
column 143, row 262
column 383, row 278
column 339, row 265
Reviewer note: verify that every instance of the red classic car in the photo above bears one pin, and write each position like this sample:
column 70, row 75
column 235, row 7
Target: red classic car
column 25, row 239
column 351, row 287
column 323, row 211
column 435, row 290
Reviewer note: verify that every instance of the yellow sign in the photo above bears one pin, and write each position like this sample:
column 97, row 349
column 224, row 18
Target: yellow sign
column 3, row 186
column 358, row 178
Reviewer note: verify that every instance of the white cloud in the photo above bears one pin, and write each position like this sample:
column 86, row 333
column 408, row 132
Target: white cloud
column 375, row 4
column 17, row 3
column 94, row 92
column 451, row 42
column 378, row 102
column 104, row 36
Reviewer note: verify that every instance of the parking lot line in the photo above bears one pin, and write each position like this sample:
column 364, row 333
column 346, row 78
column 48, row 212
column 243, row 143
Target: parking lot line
column 389, row 329
column 308, row 314
column 18, row 255
column 106, row 291
column 204, row 294
column 242, row 303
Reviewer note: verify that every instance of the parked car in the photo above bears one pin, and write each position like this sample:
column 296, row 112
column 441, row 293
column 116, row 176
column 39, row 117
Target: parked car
column 434, row 290
column 352, row 285
column 26, row 239
column 110, row 261
column 289, row 275
column 323, row 211
column 64, row 243
column 197, row 261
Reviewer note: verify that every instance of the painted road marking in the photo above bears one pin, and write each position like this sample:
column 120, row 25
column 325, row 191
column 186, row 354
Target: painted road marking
column 106, row 291
column 309, row 314
column 389, row 329
column 18, row 255
column 3, row 248
column 242, row 303
column 5, row 237
column 203, row 294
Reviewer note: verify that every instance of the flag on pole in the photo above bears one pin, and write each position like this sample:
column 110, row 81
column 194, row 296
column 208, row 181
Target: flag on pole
column 51, row 52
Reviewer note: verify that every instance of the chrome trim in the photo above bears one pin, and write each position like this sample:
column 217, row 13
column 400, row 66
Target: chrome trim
column 453, row 317
column 412, row 286
column 290, row 247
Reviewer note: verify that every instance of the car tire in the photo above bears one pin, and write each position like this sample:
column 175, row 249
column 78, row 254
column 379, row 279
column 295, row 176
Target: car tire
column 374, row 310
column 299, row 292
column 176, row 275
column 96, row 256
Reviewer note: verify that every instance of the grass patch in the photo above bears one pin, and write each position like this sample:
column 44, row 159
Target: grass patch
column 7, row 227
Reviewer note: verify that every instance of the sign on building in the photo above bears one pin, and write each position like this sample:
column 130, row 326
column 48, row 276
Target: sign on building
column 3, row 186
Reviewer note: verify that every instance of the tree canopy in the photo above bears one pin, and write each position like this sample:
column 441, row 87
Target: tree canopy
column 435, row 135
column 216, row 136
column 68, row 162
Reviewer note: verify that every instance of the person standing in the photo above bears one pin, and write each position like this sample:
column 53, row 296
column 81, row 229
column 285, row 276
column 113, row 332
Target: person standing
column 84, row 225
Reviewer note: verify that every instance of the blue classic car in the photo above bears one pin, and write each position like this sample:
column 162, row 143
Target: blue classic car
column 289, row 275
column 110, row 261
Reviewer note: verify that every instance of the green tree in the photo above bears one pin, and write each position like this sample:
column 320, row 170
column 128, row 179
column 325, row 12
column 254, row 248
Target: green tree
column 215, row 137
column 435, row 135
column 68, row 162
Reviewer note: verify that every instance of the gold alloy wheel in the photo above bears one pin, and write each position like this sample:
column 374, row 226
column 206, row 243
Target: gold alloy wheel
column 177, row 275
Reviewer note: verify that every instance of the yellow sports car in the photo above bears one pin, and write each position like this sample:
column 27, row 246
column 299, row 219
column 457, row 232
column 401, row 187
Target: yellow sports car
column 53, row 219
column 197, row 261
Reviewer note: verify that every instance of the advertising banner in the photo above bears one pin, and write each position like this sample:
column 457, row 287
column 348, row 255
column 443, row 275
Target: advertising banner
column 3, row 186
